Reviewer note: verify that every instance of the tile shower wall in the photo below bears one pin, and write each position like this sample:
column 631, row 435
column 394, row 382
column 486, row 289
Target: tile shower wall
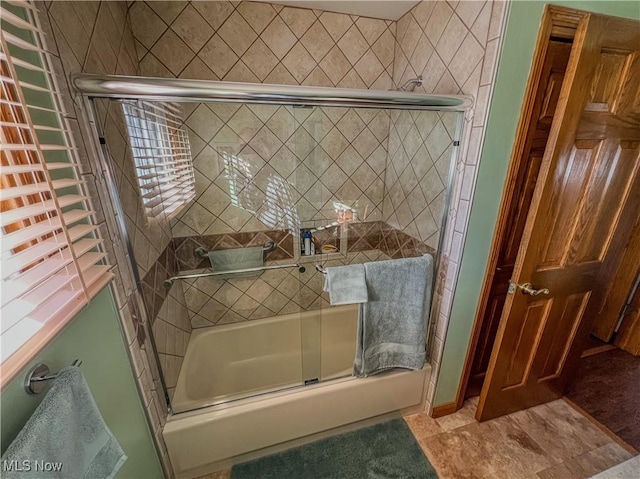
column 171, row 331
column 455, row 46
column 261, row 42
column 95, row 37
column 418, row 164
column 261, row 167
column 275, row 292
column 168, row 313
column 445, row 43
column 213, row 301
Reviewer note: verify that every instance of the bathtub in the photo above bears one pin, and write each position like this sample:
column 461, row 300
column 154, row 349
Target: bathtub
column 247, row 379
column 226, row 363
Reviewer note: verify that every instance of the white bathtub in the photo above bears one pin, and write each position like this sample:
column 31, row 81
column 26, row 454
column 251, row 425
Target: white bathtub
column 244, row 377
column 225, row 363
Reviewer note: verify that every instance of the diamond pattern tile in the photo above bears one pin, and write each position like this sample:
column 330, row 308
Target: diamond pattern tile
column 443, row 41
column 257, row 14
column 237, row 33
column 336, row 24
column 353, row 44
column 317, row 41
column 192, row 28
column 299, row 62
column 260, row 59
column 335, row 64
column 172, row 52
column 218, row 56
column 413, row 182
column 211, row 301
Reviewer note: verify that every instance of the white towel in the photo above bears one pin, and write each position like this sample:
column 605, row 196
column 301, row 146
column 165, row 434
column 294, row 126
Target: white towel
column 66, row 429
column 346, row 284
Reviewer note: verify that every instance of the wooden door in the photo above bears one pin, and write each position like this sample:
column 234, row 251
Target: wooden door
column 619, row 289
column 584, row 206
column 628, row 337
column 546, row 100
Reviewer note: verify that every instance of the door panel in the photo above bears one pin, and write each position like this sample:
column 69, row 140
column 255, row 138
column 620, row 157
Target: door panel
column 552, row 74
column 584, row 206
column 522, row 351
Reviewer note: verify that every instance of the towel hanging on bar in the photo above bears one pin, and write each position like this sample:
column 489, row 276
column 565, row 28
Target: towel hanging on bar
column 67, row 432
column 392, row 325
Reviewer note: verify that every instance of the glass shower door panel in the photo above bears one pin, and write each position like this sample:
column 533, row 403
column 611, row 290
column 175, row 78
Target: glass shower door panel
column 341, row 183
column 246, row 338
column 263, row 189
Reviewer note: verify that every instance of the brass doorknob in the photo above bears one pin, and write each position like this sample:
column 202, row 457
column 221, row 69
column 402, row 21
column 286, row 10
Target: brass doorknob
column 527, row 288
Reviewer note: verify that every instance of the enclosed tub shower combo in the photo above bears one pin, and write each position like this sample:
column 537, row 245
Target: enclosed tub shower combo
column 251, row 192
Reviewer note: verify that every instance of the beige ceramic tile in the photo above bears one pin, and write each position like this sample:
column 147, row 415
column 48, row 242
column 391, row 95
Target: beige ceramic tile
column 215, row 13
column 172, row 52
column 336, row 24
column 573, row 433
column 438, row 21
column 149, row 27
column 423, row 426
column 299, row 62
column 590, row 463
column 317, row 41
column 169, row 10
column 353, row 44
column 468, row 11
column 260, row 59
column 237, row 33
column 257, row 14
column 192, row 28
column 466, row 59
column 278, row 37
column 494, row 449
column 298, row 19
column 462, row 417
column 371, row 28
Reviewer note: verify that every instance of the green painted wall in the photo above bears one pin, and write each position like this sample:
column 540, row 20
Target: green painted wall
column 95, row 337
column 513, row 72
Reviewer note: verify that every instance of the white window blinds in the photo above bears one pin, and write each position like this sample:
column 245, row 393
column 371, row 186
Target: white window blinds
column 52, row 258
column 162, row 156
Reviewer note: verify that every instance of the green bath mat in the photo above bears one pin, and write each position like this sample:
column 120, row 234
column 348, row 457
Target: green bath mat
column 384, row 451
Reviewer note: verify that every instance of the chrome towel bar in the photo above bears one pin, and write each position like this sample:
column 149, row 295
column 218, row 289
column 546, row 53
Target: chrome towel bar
column 268, row 247
column 167, row 283
column 39, row 374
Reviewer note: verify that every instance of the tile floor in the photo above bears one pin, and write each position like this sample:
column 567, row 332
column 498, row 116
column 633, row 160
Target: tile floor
column 544, row 442
column 550, row 441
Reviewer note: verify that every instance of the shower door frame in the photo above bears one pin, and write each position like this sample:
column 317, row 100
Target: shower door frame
column 119, row 87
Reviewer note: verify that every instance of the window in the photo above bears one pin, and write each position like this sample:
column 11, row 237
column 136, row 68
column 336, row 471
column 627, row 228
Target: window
column 52, row 256
column 162, row 156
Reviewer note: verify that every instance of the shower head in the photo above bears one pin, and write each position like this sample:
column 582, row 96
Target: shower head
column 411, row 83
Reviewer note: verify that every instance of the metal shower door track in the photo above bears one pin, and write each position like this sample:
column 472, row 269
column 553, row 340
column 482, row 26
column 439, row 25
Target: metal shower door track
column 175, row 89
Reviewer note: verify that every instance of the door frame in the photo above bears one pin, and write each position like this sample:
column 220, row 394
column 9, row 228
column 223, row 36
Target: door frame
column 557, row 22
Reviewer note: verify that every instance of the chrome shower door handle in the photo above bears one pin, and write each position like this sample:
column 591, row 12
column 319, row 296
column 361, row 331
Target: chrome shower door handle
column 527, row 288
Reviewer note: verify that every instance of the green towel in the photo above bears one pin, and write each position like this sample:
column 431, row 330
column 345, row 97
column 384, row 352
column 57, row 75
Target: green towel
column 392, row 325
column 67, row 433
